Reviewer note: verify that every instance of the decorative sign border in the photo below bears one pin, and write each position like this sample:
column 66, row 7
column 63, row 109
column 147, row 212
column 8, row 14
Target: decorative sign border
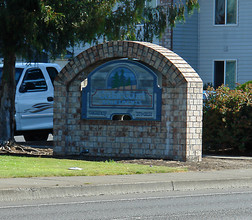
column 122, row 87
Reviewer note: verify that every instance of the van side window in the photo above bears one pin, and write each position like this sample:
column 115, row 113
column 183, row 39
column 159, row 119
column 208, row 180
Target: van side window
column 53, row 72
column 34, row 81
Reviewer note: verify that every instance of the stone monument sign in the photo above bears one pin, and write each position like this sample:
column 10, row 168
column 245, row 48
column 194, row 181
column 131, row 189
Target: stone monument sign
column 131, row 100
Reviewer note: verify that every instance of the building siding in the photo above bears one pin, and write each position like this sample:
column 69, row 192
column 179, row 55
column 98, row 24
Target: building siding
column 185, row 39
column 225, row 42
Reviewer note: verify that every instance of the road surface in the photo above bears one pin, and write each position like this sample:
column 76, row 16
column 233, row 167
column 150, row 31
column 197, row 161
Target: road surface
column 211, row 204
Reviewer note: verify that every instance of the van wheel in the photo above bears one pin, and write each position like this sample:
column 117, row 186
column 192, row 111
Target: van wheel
column 36, row 136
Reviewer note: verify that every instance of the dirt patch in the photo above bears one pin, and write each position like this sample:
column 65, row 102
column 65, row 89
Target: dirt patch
column 208, row 163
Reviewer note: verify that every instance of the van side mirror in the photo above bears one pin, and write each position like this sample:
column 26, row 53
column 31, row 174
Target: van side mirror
column 22, row 89
column 26, row 87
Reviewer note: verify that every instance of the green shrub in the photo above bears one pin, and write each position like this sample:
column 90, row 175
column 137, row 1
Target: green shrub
column 227, row 119
column 244, row 85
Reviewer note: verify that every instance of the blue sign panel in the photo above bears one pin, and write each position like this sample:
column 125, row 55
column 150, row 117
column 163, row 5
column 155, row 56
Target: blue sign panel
column 121, row 87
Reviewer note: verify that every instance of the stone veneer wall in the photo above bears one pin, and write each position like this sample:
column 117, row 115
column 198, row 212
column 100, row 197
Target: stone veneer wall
column 177, row 136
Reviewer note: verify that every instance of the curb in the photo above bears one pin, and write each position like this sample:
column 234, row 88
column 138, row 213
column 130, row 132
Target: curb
column 114, row 189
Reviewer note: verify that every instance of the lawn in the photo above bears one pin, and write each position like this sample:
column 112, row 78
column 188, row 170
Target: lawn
column 15, row 166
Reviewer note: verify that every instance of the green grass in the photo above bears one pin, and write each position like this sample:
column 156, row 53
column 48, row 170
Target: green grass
column 14, row 166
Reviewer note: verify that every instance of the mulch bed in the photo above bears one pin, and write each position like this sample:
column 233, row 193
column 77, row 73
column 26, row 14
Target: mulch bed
column 12, row 148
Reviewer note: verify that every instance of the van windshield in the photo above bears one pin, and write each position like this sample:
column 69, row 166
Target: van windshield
column 17, row 74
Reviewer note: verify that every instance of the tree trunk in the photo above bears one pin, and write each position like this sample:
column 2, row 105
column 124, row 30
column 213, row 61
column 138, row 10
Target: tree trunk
column 7, row 100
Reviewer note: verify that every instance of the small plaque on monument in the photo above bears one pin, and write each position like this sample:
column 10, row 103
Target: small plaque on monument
column 122, row 87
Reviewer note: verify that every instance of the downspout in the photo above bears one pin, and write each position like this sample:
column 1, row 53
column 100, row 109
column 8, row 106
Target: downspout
column 172, row 31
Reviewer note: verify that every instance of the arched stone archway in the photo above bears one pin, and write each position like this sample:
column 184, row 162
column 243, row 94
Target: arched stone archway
column 177, row 136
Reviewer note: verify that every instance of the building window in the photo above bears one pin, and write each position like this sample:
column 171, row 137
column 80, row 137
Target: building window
column 225, row 73
column 152, row 3
column 225, row 12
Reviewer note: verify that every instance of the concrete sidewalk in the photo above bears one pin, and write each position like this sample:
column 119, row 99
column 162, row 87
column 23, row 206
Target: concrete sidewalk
column 52, row 187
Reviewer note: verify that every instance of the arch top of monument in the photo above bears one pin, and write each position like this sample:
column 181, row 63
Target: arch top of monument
column 162, row 59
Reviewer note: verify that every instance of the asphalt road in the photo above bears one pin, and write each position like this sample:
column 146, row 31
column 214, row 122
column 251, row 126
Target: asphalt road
column 211, row 204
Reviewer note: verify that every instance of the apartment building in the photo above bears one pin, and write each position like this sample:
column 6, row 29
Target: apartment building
column 216, row 41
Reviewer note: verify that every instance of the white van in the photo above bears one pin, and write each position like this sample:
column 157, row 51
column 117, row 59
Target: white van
column 34, row 99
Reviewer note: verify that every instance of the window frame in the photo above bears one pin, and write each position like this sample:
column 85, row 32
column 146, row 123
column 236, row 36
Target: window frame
column 225, row 24
column 225, row 64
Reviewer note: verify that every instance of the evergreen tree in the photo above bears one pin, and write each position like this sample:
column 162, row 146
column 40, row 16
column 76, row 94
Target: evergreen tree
column 115, row 81
column 122, row 79
column 128, row 82
column 54, row 25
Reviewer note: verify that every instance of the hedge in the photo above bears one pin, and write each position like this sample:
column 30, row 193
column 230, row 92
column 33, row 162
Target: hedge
column 227, row 119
